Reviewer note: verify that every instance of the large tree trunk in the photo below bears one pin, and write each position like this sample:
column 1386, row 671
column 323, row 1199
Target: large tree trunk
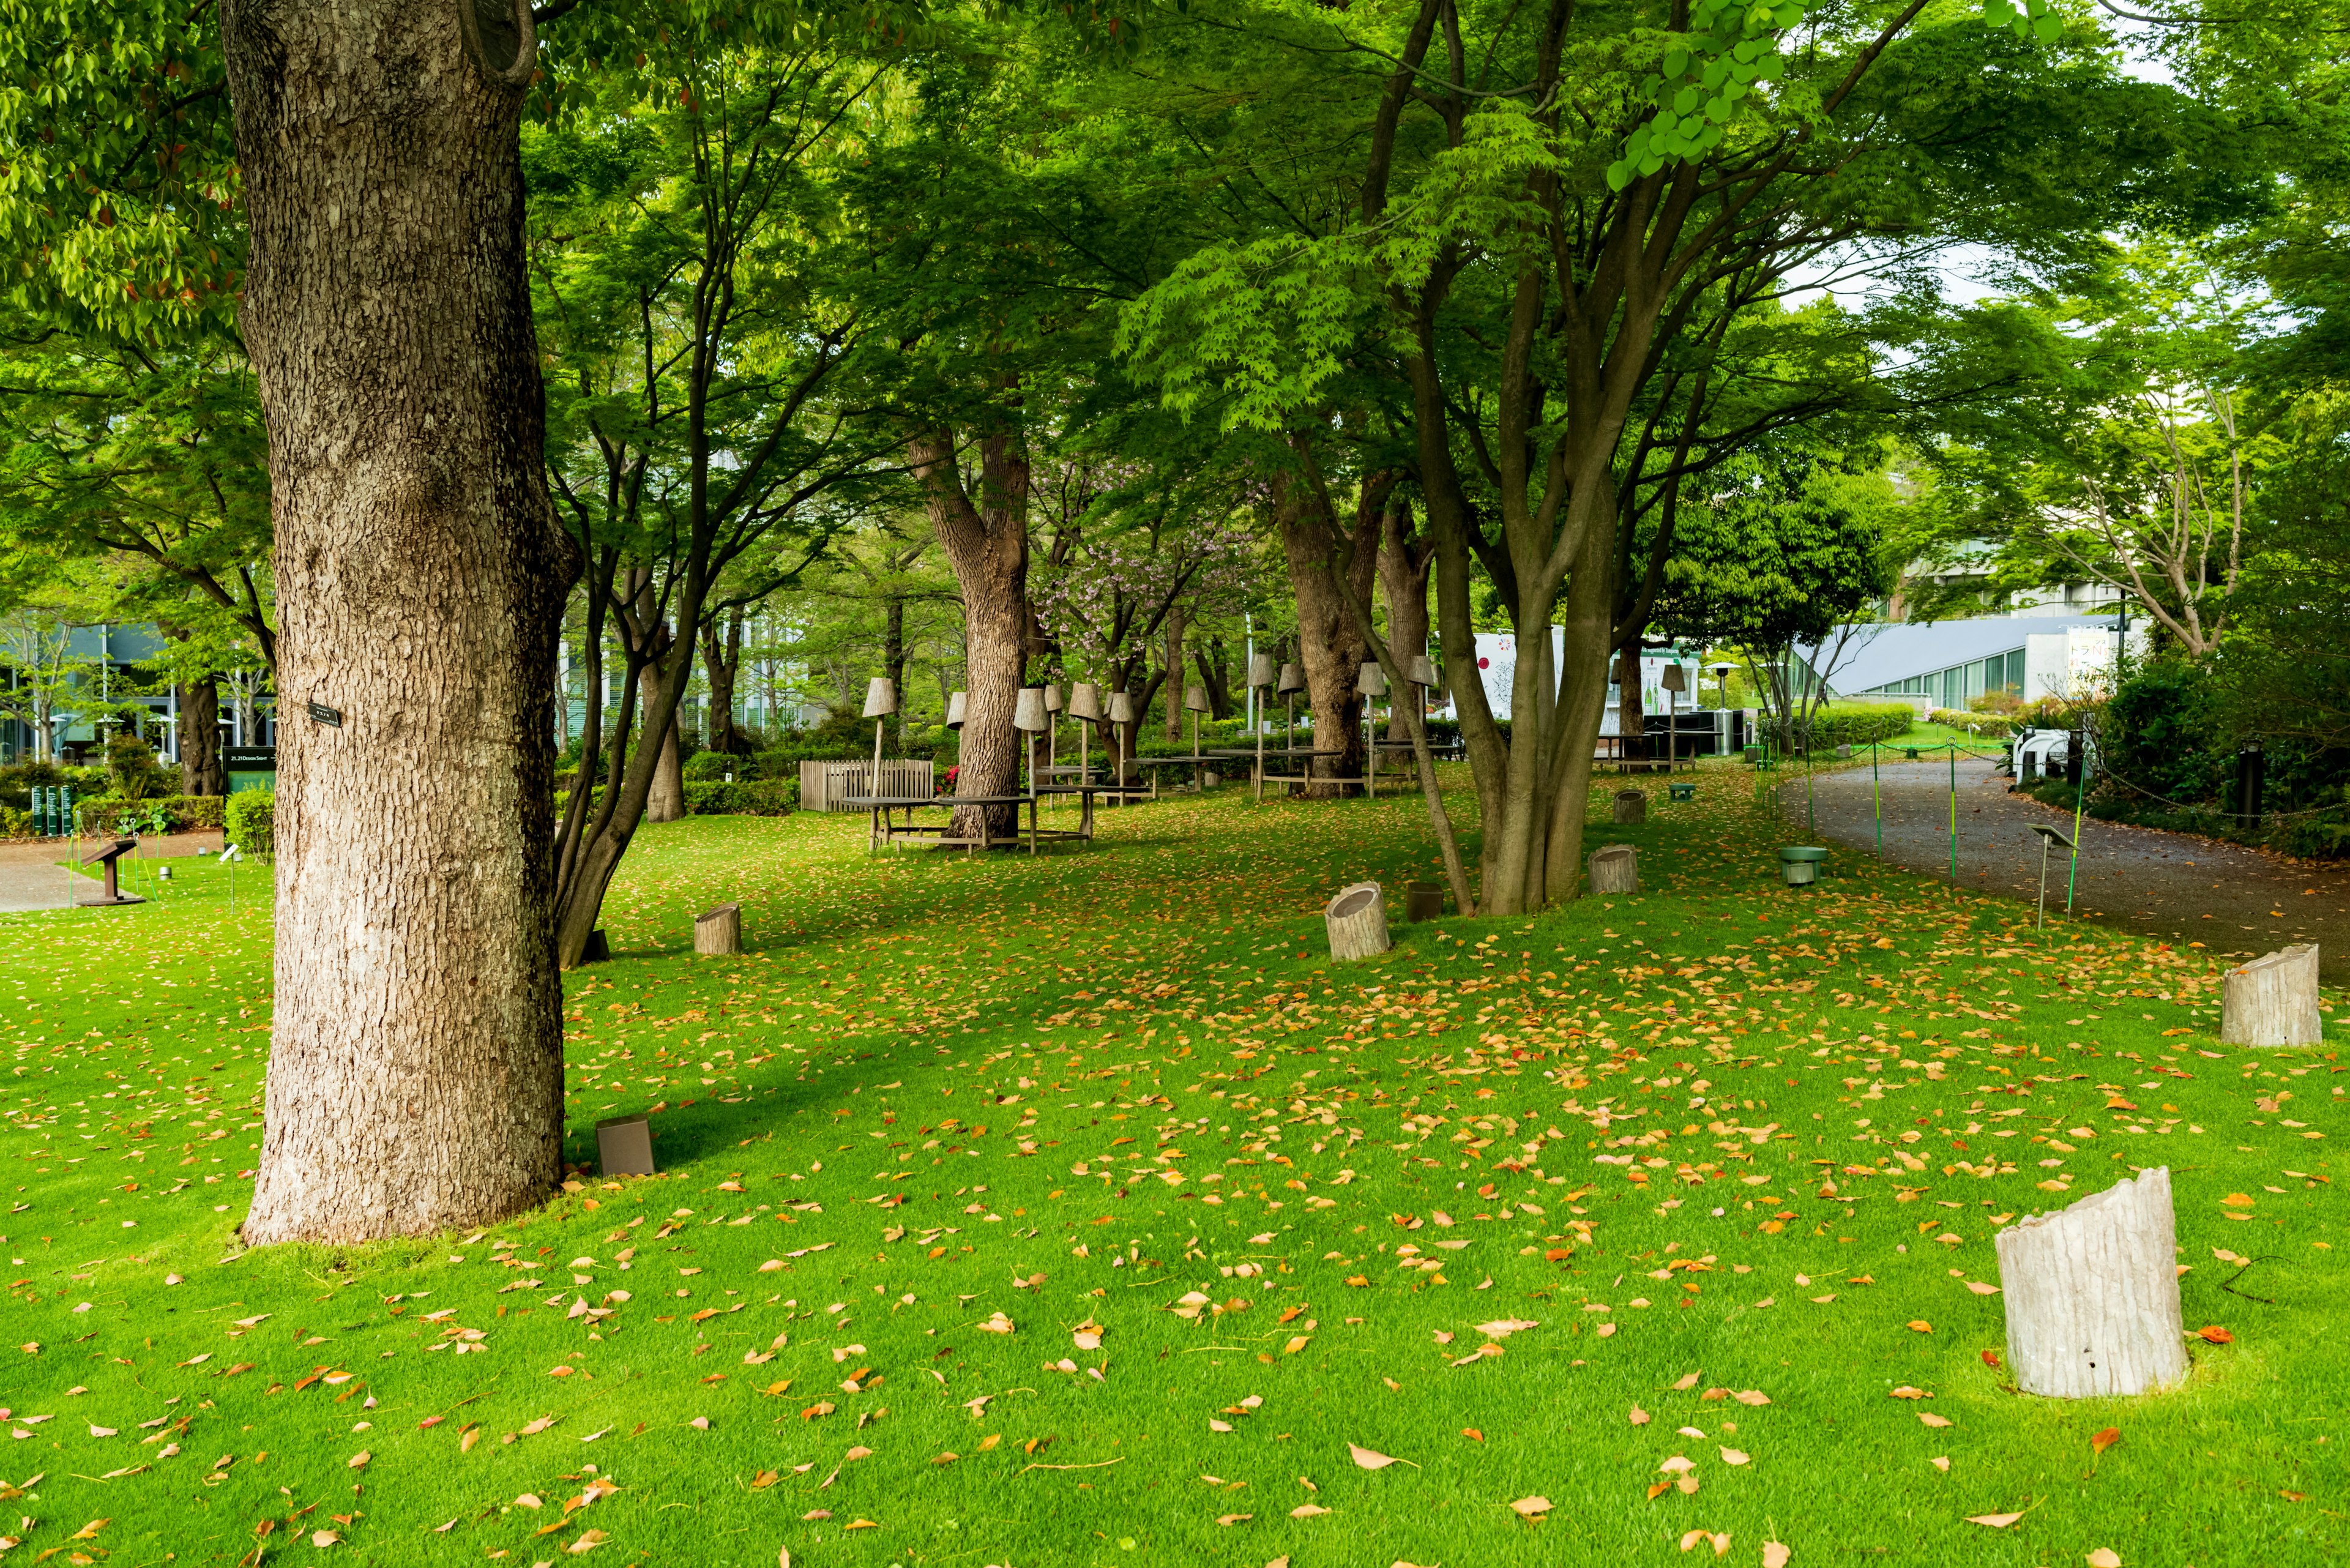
column 416, row 1070
column 200, row 771
column 1331, row 649
column 722, row 663
column 1174, row 667
column 1405, row 558
column 986, row 543
column 666, row 803
column 1631, row 718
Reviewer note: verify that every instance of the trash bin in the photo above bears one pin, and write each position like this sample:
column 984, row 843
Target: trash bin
column 1800, row 864
column 1754, row 753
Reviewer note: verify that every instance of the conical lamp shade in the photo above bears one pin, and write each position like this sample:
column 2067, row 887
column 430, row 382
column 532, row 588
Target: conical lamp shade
column 1674, row 679
column 1195, row 699
column 1029, row 714
column 1084, row 701
column 1292, row 678
column 1259, row 670
column 1372, row 682
column 1051, row 699
column 1121, row 708
column 1423, row 670
column 880, row 698
column 954, row 710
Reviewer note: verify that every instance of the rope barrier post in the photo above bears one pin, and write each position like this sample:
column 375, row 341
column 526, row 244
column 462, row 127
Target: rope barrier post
column 1954, row 815
column 1877, row 789
column 2080, row 794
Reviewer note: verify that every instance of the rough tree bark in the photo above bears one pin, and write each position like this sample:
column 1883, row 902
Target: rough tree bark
column 1631, row 718
column 721, row 664
column 1330, row 646
column 415, row 1076
column 986, row 542
column 1173, row 664
column 1405, row 558
column 665, row 801
column 200, row 769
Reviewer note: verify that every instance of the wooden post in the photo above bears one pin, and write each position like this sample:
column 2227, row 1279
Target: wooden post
column 1616, row 868
column 2273, row 1001
column 1356, row 921
column 718, row 932
column 1631, row 808
column 2093, row 1294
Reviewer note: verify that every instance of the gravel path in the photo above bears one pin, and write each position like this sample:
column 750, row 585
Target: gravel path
column 31, row 877
column 2236, row 901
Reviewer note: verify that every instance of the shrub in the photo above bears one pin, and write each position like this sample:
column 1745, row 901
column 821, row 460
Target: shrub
column 131, row 771
column 2161, row 732
column 711, row 765
column 1975, row 723
column 252, row 820
column 1852, row 724
column 15, row 823
column 166, row 814
column 744, row 798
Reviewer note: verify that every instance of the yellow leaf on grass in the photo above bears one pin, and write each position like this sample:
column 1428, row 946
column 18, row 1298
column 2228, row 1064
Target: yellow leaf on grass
column 1921, row 1325
column 1532, row 1507
column 1296, row 1343
column 1639, row 1417
column 587, row 1543
column 1775, row 1555
column 1307, row 1510
column 1933, row 1420
column 2104, row 1557
column 1370, row 1459
column 1995, row 1520
column 1732, row 1457
column 2105, row 1439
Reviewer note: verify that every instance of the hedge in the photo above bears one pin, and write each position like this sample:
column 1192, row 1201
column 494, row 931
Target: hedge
column 1856, row 724
column 251, row 821
column 744, row 797
column 178, row 814
column 2002, row 726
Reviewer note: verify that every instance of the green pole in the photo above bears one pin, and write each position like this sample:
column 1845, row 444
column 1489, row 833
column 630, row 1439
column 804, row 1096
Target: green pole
column 1954, row 815
column 1876, row 788
column 2080, row 793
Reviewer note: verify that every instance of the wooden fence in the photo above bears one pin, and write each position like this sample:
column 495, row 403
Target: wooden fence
column 824, row 786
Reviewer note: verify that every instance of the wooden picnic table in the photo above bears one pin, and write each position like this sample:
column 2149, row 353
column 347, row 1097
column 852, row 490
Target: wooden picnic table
column 1198, row 763
column 887, row 829
column 1262, row 774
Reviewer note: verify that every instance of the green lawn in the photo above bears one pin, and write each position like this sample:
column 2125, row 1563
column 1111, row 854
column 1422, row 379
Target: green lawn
column 1074, row 1210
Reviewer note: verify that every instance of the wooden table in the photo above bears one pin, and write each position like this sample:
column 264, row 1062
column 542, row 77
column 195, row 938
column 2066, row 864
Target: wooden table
column 1198, row 763
column 887, row 829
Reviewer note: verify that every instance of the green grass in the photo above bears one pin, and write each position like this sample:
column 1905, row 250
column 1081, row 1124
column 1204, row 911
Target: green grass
column 830, row 1206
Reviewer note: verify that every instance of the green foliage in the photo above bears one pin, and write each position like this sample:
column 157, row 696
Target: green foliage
column 250, row 817
column 1854, row 724
column 1974, row 723
column 160, row 813
column 744, row 798
column 131, row 771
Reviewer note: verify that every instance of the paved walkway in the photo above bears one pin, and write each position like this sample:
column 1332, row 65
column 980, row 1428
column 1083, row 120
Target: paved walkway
column 32, row 878
column 2237, row 901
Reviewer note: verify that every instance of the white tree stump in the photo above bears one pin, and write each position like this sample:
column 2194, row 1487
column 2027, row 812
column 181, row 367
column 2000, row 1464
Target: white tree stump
column 2093, row 1295
column 1616, row 868
column 1631, row 808
column 1356, row 921
column 2273, row 1001
column 718, row 932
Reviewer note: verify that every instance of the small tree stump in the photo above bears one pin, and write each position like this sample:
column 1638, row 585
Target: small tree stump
column 2093, row 1295
column 1356, row 921
column 2273, row 1001
column 1631, row 808
column 1616, row 868
column 720, row 932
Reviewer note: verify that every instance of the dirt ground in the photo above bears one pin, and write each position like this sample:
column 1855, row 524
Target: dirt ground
column 2234, row 901
column 32, row 875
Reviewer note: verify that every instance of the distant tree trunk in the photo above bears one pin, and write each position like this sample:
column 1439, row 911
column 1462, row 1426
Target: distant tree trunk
column 1631, row 726
column 722, row 663
column 666, row 803
column 1405, row 558
column 893, row 659
column 986, row 542
column 416, row 1066
column 1332, row 650
column 1174, row 668
column 201, row 772
column 1216, row 674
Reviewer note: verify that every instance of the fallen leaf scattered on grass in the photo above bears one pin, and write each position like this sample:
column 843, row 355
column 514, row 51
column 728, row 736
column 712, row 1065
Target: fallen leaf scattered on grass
column 1775, row 1555
column 2212, row 1334
column 2104, row 1557
column 1995, row 1520
column 1372, row 1460
column 2105, row 1439
column 1532, row 1507
column 1639, row 1417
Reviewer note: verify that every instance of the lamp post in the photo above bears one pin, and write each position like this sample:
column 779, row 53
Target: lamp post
column 1052, row 730
column 1028, row 717
column 880, row 702
column 1085, row 707
column 1195, row 699
column 956, row 703
column 1370, row 681
column 1259, row 674
column 1674, row 683
column 1121, row 716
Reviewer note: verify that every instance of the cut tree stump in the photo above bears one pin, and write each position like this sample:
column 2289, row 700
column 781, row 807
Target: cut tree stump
column 1631, row 808
column 1357, row 923
column 2273, row 1001
column 1616, row 868
column 720, row 932
column 2093, row 1294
